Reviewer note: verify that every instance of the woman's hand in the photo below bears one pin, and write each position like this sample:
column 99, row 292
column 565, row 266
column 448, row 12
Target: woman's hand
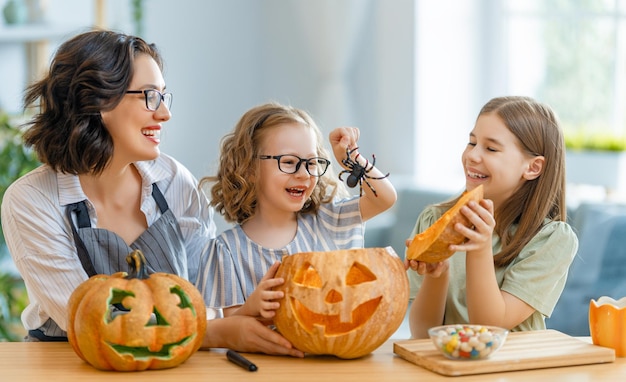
column 247, row 334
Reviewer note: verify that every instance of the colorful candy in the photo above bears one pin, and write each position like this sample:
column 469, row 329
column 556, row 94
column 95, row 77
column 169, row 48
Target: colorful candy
column 467, row 341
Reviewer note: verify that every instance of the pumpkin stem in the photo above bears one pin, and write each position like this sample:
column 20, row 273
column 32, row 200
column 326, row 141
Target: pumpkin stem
column 137, row 264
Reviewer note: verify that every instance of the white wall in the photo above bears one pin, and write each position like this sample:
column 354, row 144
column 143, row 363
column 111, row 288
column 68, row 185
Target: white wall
column 225, row 56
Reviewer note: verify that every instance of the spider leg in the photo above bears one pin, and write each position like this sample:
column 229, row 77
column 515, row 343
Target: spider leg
column 369, row 185
column 372, row 177
column 372, row 164
column 341, row 173
column 348, row 151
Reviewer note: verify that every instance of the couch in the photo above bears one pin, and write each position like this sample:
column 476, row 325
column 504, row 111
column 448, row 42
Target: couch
column 599, row 268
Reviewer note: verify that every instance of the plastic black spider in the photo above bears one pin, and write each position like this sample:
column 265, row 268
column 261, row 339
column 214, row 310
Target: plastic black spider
column 358, row 173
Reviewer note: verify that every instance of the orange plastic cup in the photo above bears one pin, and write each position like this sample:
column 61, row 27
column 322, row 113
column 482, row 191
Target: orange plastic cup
column 607, row 323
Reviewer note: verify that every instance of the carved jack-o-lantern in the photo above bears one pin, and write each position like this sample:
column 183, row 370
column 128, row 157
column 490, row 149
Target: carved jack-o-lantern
column 345, row 302
column 136, row 321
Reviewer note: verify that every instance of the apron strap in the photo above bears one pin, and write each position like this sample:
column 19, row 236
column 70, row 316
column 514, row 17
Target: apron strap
column 159, row 199
column 82, row 216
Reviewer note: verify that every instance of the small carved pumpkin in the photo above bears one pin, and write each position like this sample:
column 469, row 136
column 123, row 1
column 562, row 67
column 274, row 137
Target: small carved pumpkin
column 136, row 321
column 345, row 302
column 607, row 324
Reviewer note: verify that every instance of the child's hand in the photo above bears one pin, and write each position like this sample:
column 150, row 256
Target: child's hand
column 261, row 303
column 428, row 269
column 481, row 216
column 341, row 138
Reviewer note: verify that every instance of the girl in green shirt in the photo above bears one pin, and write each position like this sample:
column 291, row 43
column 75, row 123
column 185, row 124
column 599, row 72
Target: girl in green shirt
column 512, row 269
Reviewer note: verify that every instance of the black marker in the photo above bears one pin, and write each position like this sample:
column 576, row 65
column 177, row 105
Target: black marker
column 240, row 360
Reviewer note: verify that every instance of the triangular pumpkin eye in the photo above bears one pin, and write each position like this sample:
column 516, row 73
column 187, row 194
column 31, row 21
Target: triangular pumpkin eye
column 358, row 274
column 156, row 319
column 308, row 276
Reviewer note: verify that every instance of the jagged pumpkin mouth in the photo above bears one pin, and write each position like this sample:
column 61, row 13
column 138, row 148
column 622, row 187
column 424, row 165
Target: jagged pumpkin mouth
column 331, row 322
column 139, row 352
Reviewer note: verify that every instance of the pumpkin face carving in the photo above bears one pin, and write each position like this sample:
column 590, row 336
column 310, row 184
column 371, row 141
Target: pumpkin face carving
column 136, row 322
column 345, row 302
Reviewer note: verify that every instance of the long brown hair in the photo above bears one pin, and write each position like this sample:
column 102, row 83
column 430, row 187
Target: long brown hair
column 233, row 193
column 537, row 128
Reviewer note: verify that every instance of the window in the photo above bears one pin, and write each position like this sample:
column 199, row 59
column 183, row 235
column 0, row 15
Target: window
column 570, row 54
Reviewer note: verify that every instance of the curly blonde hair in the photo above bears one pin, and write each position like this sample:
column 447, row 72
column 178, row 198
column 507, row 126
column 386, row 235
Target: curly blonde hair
column 234, row 191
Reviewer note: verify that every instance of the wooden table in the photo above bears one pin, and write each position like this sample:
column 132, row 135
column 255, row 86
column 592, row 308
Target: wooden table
column 23, row 361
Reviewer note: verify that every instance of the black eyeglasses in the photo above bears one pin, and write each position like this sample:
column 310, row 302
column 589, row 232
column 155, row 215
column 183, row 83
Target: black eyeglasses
column 290, row 164
column 153, row 98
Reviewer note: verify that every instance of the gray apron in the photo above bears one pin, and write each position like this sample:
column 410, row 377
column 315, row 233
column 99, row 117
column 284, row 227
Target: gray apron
column 103, row 252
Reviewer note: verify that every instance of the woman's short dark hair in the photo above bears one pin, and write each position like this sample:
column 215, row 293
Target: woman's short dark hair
column 89, row 73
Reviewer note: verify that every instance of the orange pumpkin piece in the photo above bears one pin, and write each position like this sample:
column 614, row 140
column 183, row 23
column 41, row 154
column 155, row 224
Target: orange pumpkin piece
column 431, row 246
column 344, row 303
column 136, row 321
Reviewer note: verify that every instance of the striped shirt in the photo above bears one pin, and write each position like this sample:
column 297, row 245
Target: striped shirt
column 233, row 265
column 40, row 239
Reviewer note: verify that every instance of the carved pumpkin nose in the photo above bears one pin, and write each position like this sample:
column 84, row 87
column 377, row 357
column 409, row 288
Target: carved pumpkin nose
column 333, row 296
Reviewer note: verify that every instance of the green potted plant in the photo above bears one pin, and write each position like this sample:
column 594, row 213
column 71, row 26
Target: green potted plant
column 15, row 161
column 595, row 141
column 596, row 158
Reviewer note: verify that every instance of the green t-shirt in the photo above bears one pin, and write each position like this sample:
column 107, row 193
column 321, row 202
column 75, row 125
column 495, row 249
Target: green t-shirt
column 537, row 276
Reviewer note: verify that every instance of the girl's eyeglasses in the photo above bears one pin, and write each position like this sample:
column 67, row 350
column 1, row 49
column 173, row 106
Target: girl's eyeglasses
column 290, row 164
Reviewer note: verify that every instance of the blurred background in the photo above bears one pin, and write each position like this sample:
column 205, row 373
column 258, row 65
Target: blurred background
column 411, row 74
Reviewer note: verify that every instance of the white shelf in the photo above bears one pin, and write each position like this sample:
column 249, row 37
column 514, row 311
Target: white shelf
column 26, row 33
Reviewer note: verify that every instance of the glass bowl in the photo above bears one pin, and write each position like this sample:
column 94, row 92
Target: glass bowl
column 467, row 342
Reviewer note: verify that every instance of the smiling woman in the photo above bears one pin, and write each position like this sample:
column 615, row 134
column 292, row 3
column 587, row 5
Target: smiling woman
column 102, row 168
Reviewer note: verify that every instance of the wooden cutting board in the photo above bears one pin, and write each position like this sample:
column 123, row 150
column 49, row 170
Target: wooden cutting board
column 521, row 351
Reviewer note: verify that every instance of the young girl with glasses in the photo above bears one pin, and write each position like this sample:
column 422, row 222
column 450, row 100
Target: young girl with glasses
column 513, row 267
column 275, row 183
